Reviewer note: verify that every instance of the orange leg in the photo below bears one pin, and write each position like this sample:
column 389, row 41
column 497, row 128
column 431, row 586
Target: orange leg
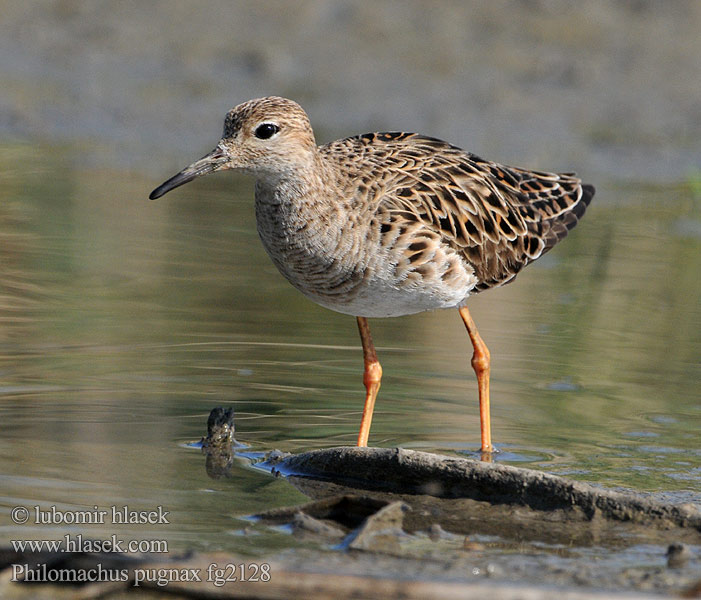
column 371, row 379
column 480, row 363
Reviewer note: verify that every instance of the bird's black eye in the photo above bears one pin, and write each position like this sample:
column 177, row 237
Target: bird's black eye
column 265, row 131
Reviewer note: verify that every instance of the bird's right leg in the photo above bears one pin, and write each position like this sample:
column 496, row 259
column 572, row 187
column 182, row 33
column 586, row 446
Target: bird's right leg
column 371, row 378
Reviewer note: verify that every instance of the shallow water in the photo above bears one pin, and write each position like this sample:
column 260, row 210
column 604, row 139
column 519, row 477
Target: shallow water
column 124, row 321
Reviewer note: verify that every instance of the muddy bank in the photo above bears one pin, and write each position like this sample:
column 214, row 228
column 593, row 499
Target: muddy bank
column 376, row 564
column 309, row 575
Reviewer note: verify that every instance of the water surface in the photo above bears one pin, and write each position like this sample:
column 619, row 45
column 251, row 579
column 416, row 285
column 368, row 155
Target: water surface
column 124, row 321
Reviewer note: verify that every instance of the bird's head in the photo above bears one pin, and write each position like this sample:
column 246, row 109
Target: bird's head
column 270, row 138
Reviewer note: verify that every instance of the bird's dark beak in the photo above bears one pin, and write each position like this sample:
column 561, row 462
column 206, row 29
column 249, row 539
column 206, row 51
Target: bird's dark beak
column 210, row 163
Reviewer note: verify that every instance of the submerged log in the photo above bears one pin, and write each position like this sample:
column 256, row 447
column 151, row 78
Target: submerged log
column 401, row 471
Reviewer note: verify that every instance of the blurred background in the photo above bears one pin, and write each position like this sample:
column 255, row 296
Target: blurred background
column 124, row 321
column 609, row 87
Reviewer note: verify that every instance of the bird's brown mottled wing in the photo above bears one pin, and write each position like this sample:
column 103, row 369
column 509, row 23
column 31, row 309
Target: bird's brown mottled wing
column 498, row 218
